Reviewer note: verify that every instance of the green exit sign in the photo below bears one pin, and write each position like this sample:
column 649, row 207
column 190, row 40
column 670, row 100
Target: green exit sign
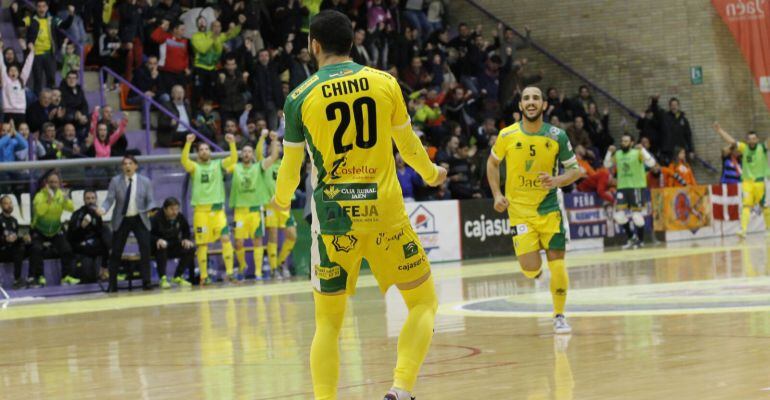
column 696, row 75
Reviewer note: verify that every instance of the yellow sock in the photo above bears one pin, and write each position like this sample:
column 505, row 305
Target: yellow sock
column 272, row 255
column 288, row 246
column 259, row 253
column 227, row 255
column 240, row 255
column 324, row 351
column 531, row 274
column 559, row 285
column 745, row 217
column 203, row 259
column 416, row 335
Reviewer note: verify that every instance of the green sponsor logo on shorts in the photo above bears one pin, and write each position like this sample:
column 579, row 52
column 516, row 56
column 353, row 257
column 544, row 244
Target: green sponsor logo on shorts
column 350, row 191
column 328, row 273
column 411, row 249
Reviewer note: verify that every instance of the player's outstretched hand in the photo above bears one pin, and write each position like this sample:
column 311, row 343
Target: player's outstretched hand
column 501, row 203
column 440, row 177
column 190, row 138
column 548, row 181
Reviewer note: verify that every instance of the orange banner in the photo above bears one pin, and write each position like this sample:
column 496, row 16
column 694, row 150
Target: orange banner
column 681, row 208
column 748, row 21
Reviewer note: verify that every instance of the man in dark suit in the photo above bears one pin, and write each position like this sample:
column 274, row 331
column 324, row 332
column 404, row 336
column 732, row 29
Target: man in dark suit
column 133, row 198
column 171, row 131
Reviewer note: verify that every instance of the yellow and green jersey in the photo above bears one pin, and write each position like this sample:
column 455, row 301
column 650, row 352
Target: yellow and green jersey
column 248, row 187
column 47, row 215
column 526, row 155
column 754, row 162
column 348, row 116
column 208, row 180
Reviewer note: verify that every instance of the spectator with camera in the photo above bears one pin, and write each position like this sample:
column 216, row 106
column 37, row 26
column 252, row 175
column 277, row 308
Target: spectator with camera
column 90, row 240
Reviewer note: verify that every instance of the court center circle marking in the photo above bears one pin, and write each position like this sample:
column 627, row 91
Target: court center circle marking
column 694, row 297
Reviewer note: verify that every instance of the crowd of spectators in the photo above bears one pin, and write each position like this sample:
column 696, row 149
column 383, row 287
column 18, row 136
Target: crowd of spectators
column 226, row 67
column 220, row 66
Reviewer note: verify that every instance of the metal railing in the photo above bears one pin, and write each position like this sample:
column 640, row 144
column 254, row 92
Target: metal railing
column 96, row 162
column 572, row 71
column 146, row 105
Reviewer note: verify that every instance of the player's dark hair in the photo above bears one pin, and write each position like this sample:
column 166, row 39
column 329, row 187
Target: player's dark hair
column 87, row 191
column 170, row 202
column 581, row 87
column 333, row 30
column 751, row 133
column 672, row 100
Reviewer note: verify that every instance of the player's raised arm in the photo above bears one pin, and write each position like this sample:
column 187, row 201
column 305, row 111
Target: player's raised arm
column 410, row 147
column 188, row 165
column 609, row 158
column 229, row 162
column 647, row 158
column 721, row 132
column 275, row 151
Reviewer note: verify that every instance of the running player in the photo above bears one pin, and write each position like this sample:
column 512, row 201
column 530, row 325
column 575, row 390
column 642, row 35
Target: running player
column 349, row 116
column 208, row 200
column 632, row 181
column 278, row 220
column 752, row 176
column 247, row 196
column 532, row 150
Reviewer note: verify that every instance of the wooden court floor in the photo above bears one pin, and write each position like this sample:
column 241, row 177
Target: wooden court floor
column 685, row 321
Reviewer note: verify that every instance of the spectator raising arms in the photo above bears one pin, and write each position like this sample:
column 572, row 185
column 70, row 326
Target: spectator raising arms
column 174, row 59
column 42, row 32
column 99, row 136
column 14, row 97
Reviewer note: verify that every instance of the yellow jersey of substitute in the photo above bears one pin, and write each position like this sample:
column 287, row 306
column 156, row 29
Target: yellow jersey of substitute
column 348, row 116
column 526, row 155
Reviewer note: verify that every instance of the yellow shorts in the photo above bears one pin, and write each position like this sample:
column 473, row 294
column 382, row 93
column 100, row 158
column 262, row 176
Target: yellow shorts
column 753, row 193
column 249, row 223
column 209, row 225
column 278, row 218
column 394, row 257
column 544, row 232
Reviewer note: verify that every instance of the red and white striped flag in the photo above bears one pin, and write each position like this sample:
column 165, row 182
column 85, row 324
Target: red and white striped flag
column 726, row 202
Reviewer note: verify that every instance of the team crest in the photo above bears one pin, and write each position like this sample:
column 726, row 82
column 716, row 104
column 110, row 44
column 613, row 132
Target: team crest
column 344, row 243
column 411, row 249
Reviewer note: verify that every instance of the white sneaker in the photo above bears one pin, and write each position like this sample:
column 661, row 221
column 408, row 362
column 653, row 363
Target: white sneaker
column 629, row 244
column 560, row 325
column 286, row 273
column 398, row 395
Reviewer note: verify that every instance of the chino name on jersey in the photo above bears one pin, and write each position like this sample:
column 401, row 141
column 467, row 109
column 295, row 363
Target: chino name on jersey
column 340, row 88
